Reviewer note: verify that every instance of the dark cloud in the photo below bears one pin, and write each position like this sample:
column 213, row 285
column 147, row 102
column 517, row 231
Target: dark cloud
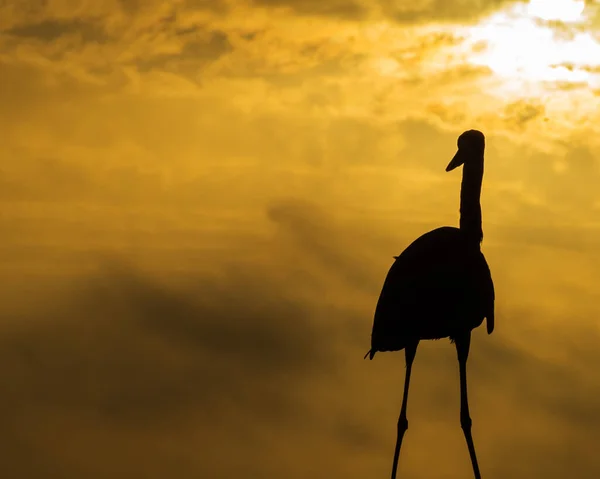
column 113, row 321
column 120, row 351
column 219, row 6
column 130, row 6
column 133, row 368
column 199, row 49
column 402, row 11
column 216, row 45
column 178, row 7
column 50, row 30
column 440, row 10
column 313, row 64
column 133, row 7
column 518, row 114
column 346, row 9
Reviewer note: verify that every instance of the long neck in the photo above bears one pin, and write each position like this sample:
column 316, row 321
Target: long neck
column 470, row 194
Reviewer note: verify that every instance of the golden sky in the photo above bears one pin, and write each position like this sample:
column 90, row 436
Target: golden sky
column 200, row 199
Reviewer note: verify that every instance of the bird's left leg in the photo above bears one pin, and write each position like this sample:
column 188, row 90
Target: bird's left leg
column 463, row 343
column 410, row 351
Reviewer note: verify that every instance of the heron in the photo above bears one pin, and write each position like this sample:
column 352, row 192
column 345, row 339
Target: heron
column 440, row 286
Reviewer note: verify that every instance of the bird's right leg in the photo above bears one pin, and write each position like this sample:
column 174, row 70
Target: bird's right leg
column 463, row 342
column 410, row 351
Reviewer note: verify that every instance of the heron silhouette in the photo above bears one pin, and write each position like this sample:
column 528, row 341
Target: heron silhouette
column 440, row 287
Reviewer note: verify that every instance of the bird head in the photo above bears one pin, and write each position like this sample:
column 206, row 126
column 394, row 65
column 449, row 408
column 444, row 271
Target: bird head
column 470, row 146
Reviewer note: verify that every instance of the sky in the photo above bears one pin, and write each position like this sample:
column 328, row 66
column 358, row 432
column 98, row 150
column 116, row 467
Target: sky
column 200, row 200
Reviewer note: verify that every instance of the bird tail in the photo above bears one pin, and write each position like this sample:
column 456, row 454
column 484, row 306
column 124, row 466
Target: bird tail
column 370, row 353
column 490, row 322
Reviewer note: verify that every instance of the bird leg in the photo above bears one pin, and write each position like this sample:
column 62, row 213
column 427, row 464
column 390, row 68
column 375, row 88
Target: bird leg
column 462, row 348
column 410, row 351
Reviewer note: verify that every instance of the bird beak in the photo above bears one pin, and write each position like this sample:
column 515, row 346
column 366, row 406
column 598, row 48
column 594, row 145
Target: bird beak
column 458, row 160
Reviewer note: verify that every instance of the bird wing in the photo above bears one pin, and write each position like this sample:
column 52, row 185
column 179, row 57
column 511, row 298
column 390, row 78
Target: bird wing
column 438, row 271
column 488, row 294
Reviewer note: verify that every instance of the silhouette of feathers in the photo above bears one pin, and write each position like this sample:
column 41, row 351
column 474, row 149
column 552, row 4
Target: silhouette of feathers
column 438, row 287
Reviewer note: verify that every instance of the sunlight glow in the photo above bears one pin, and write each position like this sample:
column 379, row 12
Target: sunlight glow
column 517, row 44
column 562, row 10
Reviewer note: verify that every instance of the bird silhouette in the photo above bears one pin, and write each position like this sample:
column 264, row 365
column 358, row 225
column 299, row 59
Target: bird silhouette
column 440, row 287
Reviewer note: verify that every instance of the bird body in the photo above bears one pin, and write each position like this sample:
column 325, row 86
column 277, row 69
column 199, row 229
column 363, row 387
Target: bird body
column 440, row 286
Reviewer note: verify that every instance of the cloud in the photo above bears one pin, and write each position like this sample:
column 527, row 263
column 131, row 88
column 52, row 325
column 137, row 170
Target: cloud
column 259, row 211
column 539, row 391
column 521, row 112
column 198, row 49
column 121, row 352
column 439, row 10
column 215, row 5
column 265, row 356
column 134, row 7
column 350, row 9
column 50, row 30
column 307, row 227
column 400, row 11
